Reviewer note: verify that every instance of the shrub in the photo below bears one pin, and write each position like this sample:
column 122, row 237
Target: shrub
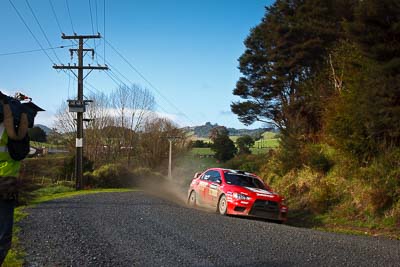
column 245, row 162
column 383, row 178
column 109, row 176
column 69, row 166
column 145, row 176
column 116, row 175
column 316, row 158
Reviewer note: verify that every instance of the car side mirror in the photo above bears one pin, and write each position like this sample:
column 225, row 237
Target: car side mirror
column 218, row 181
column 196, row 175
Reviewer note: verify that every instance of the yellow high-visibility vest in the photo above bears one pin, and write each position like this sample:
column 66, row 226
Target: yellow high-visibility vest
column 8, row 166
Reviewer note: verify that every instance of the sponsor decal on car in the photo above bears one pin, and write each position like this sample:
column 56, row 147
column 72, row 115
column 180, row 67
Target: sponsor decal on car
column 260, row 191
column 213, row 192
column 202, row 185
column 213, row 186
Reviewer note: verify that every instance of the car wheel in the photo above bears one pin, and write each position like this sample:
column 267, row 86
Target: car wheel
column 192, row 201
column 222, row 205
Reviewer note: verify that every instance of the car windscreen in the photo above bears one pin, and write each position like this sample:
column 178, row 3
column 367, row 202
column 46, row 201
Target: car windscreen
column 243, row 180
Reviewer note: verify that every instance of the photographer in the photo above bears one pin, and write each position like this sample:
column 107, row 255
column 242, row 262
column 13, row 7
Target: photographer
column 9, row 169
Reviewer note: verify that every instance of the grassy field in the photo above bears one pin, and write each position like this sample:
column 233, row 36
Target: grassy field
column 16, row 254
column 201, row 151
column 262, row 146
column 47, row 145
column 267, row 143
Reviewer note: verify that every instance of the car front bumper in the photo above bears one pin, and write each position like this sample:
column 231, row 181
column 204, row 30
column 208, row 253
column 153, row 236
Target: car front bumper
column 261, row 208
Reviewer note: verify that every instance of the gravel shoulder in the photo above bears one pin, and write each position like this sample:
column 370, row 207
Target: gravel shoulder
column 137, row 229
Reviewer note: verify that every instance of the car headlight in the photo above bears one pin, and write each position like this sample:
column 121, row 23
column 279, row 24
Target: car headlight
column 283, row 202
column 241, row 196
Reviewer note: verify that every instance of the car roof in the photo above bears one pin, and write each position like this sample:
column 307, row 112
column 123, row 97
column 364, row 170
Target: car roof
column 239, row 172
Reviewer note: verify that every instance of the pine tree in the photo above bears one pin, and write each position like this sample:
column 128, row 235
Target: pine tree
column 284, row 51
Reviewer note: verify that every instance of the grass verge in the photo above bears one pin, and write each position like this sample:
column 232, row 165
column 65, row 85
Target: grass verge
column 16, row 254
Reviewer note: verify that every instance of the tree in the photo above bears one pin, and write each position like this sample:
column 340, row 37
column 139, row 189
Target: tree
column 222, row 145
column 55, row 138
column 132, row 105
column 37, row 134
column 376, row 28
column 244, row 144
column 218, row 130
column 376, row 31
column 154, row 141
column 200, row 144
column 101, row 118
column 115, row 121
column 283, row 52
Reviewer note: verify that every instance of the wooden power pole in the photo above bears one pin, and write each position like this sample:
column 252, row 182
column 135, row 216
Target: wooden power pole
column 170, row 140
column 79, row 105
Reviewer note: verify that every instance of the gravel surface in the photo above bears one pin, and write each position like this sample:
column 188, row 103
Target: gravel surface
column 136, row 229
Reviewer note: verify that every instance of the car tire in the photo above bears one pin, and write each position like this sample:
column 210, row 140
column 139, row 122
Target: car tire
column 222, row 205
column 192, row 200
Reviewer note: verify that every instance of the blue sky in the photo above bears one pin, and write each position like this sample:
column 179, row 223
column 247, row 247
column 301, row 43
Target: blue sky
column 186, row 49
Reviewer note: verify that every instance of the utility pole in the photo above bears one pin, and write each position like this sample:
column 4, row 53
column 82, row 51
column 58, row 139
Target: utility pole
column 171, row 139
column 79, row 105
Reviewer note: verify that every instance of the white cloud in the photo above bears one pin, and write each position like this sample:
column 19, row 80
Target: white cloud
column 46, row 118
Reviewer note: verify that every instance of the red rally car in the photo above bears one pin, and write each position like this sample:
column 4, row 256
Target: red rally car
column 236, row 193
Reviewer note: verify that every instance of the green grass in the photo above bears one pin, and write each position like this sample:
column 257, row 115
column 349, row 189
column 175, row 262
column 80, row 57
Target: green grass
column 16, row 254
column 256, row 149
column 47, row 145
column 269, row 135
column 267, row 143
column 201, row 151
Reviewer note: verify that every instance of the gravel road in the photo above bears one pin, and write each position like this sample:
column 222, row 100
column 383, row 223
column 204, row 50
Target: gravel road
column 137, row 229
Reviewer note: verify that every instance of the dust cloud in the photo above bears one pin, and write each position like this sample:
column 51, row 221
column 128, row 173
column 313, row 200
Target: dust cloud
column 165, row 188
column 176, row 188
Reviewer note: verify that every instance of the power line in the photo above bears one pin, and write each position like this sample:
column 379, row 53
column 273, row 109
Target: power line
column 55, row 15
column 91, row 17
column 34, row 50
column 147, row 81
column 29, row 29
column 114, row 78
column 118, row 82
column 112, row 67
column 70, row 18
column 91, row 20
column 40, row 26
column 104, row 29
column 41, row 48
column 97, row 21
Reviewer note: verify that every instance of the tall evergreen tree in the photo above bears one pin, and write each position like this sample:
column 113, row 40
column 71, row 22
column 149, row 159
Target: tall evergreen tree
column 244, row 144
column 222, row 145
column 376, row 31
column 284, row 51
column 376, row 28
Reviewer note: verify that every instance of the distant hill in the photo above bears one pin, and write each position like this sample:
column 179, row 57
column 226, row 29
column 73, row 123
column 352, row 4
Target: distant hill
column 204, row 131
column 46, row 129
